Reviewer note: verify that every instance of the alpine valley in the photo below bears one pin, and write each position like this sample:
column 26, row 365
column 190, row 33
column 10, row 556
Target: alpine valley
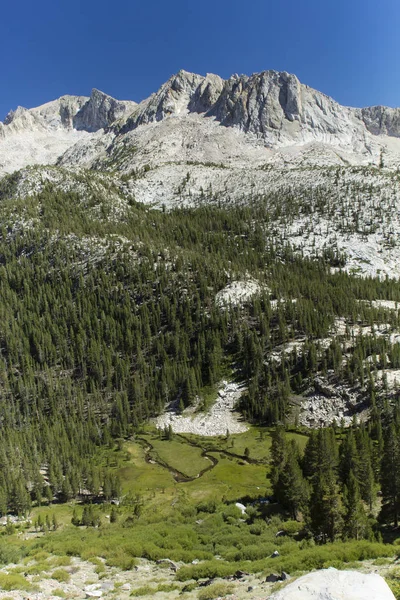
column 199, row 343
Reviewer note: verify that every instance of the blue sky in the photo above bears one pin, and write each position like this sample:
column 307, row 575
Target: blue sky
column 349, row 49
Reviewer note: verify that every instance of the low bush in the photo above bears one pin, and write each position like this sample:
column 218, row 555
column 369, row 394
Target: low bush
column 10, row 554
column 145, row 590
column 206, row 570
column 14, row 581
column 61, row 575
column 215, row 590
column 119, row 558
column 60, row 561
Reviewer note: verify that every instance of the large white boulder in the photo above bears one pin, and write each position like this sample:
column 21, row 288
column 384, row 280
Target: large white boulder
column 331, row 584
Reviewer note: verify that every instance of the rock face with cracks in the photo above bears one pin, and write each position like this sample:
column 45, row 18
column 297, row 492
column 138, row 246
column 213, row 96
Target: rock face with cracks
column 331, row 584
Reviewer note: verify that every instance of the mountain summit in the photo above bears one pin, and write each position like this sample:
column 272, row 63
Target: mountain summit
column 278, row 112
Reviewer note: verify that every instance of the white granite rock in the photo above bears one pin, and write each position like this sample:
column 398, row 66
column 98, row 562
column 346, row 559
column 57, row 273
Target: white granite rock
column 331, row 584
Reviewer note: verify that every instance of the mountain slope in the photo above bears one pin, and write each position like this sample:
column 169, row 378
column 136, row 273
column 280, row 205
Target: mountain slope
column 197, row 140
column 40, row 135
column 275, row 108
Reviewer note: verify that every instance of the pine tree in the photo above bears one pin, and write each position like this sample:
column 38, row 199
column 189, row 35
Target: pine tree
column 291, row 489
column 279, row 452
column 355, row 520
column 390, row 476
column 325, row 512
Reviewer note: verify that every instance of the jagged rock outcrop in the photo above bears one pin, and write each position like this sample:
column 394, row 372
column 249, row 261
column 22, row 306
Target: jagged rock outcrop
column 172, row 98
column 277, row 107
column 68, row 112
column 55, row 115
column 381, row 120
column 41, row 135
column 272, row 119
column 100, row 111
column 273, row 105
column 206, row 94
column 259, row 102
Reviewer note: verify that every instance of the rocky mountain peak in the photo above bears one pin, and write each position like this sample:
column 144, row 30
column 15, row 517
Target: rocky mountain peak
column 100, row 111
column 19, row 112
column 173, row 97
column 274, row 107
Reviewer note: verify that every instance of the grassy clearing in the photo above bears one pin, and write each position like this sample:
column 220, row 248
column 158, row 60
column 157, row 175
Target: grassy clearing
column 184, row 458
column 139, row 476
column 231, row 479
column 160, row 518
column 256, row 441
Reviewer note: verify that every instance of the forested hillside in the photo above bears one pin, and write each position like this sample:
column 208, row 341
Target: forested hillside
column 104, row 320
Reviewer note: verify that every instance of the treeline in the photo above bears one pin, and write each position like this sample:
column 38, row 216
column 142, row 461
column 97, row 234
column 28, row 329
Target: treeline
column 102, row 322
column 345, row 484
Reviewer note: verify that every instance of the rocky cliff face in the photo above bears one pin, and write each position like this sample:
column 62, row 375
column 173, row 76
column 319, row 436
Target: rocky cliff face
column 277, row 107
column 100, row 111
column 273, row 110
column 55, row 115
column 40, row 135
column 172, row 98
column 68, row 112
column 381, row 120
column 273, row 105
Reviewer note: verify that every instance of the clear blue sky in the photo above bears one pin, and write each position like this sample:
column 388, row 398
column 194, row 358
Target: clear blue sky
column 349, row 49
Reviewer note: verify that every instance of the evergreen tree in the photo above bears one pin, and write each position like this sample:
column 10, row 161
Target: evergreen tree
column 355, row 520
column 390, row 476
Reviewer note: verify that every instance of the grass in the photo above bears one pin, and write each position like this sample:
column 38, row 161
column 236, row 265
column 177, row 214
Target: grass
column 257, row 440
column 231, row 479
column 139, row 476
column 184, row 521
column 180, row 456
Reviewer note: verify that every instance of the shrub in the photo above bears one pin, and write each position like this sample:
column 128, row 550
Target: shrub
column 208, row 506
column 61, row 575
column 14, row 581
column 215, row 590
column 145, row 590
column 10, row 554
column 61, row 561
column 206, row 570
column 119, row 558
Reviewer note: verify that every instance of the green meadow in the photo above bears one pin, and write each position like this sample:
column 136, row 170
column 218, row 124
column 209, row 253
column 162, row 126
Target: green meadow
column 192, row 520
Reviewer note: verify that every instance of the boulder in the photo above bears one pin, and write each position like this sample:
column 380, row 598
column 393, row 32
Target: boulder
column 239, row 574
column 168, row 563
column 241, row 507
column 331, row 584
column 272, row 578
